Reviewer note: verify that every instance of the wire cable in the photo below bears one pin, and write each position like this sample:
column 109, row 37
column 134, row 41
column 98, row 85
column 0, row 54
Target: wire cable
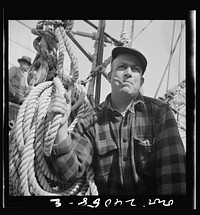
column 22, row 46
column 179, row 60
column 178, row 38
column 24, row 24
column 142, row 30
column 170, row 54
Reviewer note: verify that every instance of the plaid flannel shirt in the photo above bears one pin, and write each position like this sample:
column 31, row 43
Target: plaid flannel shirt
column 138, row 153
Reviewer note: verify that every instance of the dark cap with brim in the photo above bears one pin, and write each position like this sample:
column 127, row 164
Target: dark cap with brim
column 25, row 59
column 125, row 50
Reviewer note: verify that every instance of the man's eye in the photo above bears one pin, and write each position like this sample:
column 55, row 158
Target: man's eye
column 122, row 67
column 136, row 69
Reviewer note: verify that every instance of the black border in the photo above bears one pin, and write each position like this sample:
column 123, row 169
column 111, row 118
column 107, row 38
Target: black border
column 181, row 203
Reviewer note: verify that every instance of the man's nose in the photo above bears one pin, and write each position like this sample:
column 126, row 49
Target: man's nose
column 128, row 73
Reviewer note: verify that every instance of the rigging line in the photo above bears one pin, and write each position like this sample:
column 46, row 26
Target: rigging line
column 170, row 54
column 178, row 38
column 132, row 30
column 142, row 30
column 116, row 42
column 22, row 45
column 24, row 24
column 179, row 60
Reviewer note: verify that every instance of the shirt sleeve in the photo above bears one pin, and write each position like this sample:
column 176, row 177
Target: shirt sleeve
column 71, row 158
column 170, row 156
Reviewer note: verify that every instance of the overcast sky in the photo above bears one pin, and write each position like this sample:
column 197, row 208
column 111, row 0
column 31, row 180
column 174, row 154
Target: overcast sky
column 154, row 42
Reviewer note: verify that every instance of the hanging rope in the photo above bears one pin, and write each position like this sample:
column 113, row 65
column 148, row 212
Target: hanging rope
column 127, row 32
column 74, row 73
column 34, row 134
column 46, row 45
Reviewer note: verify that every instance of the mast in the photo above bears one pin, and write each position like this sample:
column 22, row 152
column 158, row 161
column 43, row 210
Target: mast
column 97, row 60
column 100, row 47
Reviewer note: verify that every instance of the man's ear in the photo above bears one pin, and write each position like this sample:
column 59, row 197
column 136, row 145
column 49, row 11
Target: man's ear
column 142, row 81
column 109, row 76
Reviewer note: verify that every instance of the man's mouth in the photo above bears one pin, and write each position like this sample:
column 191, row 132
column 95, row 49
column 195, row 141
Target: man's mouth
column 122, row 82
column 127, row 82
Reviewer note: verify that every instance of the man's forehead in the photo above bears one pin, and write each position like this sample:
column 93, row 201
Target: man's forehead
column 127, row 58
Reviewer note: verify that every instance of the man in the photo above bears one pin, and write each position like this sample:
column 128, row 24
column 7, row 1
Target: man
column 18, row 87
column 18, row 80
column 131, row 141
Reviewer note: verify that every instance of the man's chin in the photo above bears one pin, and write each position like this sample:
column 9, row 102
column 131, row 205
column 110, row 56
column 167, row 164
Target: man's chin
column 127, row 91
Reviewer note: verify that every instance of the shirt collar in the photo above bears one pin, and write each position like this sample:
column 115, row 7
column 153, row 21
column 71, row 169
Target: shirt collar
column 136, row 105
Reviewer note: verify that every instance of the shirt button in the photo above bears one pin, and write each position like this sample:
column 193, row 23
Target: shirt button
column 124, row 140
column 125, row 158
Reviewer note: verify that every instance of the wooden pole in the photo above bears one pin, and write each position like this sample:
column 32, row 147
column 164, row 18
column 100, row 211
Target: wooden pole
column 97, row 60
column 90, row 90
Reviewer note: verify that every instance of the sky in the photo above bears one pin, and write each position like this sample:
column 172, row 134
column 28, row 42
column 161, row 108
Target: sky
column 154, row 42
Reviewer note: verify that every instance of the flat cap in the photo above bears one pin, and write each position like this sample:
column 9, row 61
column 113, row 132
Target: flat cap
column 125, row 50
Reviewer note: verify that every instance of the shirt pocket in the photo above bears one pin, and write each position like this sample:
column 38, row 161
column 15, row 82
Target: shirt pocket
column 144, row 153
column 106, row 153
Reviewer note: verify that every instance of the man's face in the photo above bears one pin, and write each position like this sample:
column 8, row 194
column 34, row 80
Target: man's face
column 126, row 76
column 24, row 65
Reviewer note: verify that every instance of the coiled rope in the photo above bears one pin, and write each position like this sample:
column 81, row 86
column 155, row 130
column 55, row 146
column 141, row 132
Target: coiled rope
column 34, row 134
column 29, row 172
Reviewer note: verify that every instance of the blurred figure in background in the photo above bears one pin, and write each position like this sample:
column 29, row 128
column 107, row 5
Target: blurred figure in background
column 18, row 80
column 18, row 86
